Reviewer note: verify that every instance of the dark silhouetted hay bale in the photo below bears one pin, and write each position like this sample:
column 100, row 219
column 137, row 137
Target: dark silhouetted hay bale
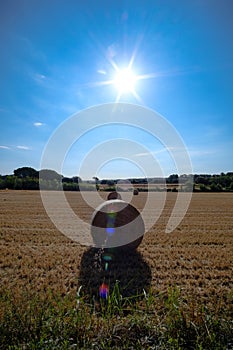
column 135, row 192
column 114, row 195
column 117, row 225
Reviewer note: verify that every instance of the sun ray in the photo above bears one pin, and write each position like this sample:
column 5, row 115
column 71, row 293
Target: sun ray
column 131, row 62
column 119, row 81
column 124, row 80
column 147, row 76
column 114, row 65
column 137, row 96
column 98, row 83
column 118, row 97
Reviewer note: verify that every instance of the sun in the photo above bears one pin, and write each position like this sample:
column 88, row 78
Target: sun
column 123, row 78
column 125, row 81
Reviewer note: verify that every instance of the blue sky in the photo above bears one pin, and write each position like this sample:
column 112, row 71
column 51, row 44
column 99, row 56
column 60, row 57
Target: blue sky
column 55, row 55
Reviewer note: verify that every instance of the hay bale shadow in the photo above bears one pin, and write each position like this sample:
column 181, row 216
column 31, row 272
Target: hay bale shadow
column 128, row 268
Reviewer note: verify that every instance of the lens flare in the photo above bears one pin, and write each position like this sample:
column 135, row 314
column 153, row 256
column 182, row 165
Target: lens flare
column 107, row 257
column 110, row 231
column 111, row 217
column 103, row 291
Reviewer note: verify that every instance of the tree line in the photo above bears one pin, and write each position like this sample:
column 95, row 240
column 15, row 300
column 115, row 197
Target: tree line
column 27, row 178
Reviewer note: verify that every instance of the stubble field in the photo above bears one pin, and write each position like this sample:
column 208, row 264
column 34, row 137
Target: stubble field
column 196, row 258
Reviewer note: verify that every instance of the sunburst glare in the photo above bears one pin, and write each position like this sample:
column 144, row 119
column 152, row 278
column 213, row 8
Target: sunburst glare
column 125, row 81
column 122, row 77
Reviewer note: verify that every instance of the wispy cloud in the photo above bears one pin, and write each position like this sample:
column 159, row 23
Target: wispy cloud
column 144, row 154
column 4, row 147
column 200, row 152
column 101, row 71
column 149, row 153
column 38, row 124
column 38, row 78
column 25, row 148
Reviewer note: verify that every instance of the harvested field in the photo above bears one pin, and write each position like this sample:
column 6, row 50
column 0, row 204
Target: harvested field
column 174, row 292
column 197, row 257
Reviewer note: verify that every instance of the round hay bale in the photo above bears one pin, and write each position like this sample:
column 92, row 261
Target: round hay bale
column 117, row 225
column 114, row 195
column 135, row 192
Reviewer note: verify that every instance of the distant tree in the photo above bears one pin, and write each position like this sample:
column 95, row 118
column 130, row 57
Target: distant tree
column 47, row 174
column 10, row 182
column 189, row 185
column 225, row 180
column 30, row 183
column 103, row 182
column 67, row 180
column 50, row 180
column 54, row 185
column 18, row 184
column 173, row 179
column 96, row 182
column 110, row 182
column 202, row 180
column 204, row 188
column 216, row 187
column 2, row 184
column 76, row 179
column 26, row 172
column 70, row 186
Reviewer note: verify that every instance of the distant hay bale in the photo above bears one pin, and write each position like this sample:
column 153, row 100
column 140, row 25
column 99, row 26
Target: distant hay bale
column 135, row 192
column 117, row 225
column 114, row 195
